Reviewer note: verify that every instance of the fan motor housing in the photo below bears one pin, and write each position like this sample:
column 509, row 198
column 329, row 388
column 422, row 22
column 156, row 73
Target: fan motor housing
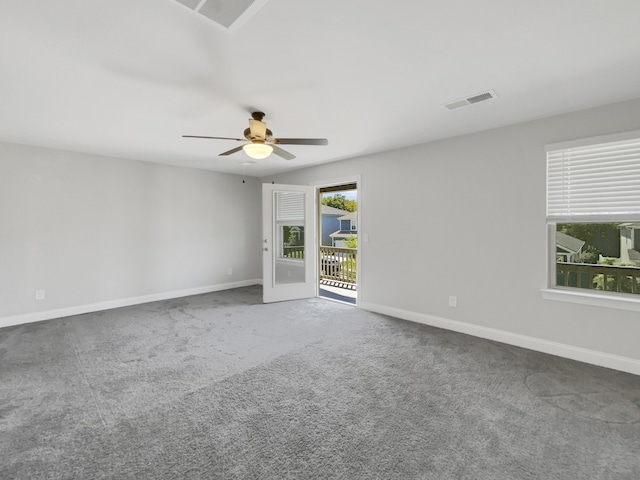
column 247, row 134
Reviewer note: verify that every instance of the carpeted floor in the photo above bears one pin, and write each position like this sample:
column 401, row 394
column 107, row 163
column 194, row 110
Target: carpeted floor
column 219, row 386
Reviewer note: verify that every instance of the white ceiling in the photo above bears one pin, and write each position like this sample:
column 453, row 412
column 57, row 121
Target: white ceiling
column 127, row 78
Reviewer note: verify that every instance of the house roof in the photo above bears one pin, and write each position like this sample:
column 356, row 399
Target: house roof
column 349, row 216
column 129, row 80
column 568, row 242
column 327, row 210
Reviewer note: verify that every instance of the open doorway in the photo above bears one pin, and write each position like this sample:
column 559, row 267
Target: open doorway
column 338, row 242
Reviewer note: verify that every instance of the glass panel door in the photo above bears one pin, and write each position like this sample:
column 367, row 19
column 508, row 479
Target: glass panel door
column 288, row 242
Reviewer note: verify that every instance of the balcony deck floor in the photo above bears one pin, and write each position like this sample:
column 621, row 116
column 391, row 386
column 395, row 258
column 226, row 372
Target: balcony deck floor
column 341, row 291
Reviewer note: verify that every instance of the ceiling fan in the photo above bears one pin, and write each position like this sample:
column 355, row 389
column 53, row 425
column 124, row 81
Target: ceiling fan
column 262, row 143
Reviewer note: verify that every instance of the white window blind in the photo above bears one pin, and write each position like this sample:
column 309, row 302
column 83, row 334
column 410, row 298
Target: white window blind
column 592, row 183
column 289, row 206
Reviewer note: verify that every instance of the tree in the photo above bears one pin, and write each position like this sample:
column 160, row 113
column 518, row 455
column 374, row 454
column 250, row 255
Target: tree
column 589, row 254
column 340, row 202
column 350, row 205
column 351, row 242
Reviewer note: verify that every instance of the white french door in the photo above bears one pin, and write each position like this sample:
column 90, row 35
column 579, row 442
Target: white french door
column 289, row 239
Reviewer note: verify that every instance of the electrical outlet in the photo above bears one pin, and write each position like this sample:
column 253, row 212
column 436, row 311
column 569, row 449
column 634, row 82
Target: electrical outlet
column 453, row 301
column 39, row 294
column 229, row 271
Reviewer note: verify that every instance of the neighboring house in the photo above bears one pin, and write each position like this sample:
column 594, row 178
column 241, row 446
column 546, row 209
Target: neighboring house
column 330, row 223
column 348, row 229
column 568, row 248
column 630, row 243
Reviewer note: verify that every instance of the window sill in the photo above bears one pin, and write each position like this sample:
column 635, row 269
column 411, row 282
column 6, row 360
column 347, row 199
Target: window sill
column 590, row 298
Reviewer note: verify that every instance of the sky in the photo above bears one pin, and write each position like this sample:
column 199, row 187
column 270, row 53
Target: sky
column 348, row 194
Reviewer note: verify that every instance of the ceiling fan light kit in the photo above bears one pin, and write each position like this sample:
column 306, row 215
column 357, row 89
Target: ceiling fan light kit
column 262, row 143
column 257, row 151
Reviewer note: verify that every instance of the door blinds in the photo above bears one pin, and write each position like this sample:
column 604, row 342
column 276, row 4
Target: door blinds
column 289, row 206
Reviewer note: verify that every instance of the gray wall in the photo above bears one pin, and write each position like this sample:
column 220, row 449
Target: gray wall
column 89, row 229
column 493, row 184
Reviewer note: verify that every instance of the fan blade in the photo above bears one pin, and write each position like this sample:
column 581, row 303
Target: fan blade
column 215, row 138
column 258, row 129
column 233, row 150
column 301, row 141
column 283, row 153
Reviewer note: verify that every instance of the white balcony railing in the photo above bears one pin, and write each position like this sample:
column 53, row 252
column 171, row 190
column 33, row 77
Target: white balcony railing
column 338, row 264
column 610, row 278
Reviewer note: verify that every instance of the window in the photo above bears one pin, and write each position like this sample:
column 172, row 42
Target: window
column 354, row 226
column 290, row 225
column 292, row 241
column 593, row 215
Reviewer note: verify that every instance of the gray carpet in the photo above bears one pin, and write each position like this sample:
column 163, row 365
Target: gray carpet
column 219, row 386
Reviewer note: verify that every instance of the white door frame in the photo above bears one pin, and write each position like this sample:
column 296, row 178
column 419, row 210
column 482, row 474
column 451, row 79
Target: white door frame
column 362, row 237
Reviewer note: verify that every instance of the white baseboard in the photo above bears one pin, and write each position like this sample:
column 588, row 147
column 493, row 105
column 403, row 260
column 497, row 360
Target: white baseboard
column 594, row 357
column 124, row 302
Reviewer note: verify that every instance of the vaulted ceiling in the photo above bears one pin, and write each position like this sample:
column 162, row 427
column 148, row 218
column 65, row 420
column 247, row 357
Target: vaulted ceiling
column 128, row 78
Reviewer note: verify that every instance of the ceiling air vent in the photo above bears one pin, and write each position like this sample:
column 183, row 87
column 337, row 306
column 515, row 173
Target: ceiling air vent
column 480, row 97
column 229, row 14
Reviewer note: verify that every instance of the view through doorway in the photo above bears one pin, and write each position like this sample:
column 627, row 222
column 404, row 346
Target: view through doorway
column 338, row 242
